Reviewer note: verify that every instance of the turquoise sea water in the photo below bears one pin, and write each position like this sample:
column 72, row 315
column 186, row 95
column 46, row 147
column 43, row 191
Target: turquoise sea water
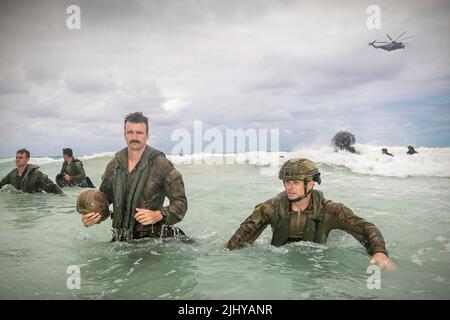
column 42, row 236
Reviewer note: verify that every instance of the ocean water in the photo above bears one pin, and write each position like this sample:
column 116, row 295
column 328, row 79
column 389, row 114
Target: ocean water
column 407, row 197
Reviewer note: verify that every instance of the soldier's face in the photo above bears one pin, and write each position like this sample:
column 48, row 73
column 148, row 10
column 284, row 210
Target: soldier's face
column 66, row 157
column 21, row 159
column 135, row 135
column 295, row 189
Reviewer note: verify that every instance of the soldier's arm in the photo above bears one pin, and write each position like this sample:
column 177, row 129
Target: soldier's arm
column 81, row 175
column 107, row 184
column 174, row 189
column 48, row 185
column 5, row 180
column 252, row 227
column 363, row 231
column 63, row 169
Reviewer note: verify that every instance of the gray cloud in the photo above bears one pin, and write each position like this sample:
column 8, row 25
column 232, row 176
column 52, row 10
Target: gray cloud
column 13, row 82
column 300, row 66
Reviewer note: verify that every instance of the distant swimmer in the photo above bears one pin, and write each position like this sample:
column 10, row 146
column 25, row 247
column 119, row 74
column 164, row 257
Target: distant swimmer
column 385, row 151
column 72, row 172
column 27, row 177
column 302, row 214
column 136, row 181
column 343, row 141
column 411, row 150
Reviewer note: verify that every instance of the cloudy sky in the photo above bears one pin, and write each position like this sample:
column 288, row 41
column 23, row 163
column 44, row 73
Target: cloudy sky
column 303, row 67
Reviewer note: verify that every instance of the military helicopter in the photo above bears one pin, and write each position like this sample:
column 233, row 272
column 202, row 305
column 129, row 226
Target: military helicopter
column 393, row 45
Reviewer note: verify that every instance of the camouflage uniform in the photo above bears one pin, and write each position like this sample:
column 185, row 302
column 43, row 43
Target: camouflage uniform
column 76, row 171
column 313, row 224
column 31, row 181
column 146, row 187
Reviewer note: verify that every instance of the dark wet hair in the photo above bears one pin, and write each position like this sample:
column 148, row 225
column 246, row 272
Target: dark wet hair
column 68, row 152
column 22, row 151
column 136, row 117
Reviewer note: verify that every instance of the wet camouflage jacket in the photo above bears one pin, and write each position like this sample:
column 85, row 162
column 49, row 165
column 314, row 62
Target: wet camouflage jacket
column 154, row 179
column 75, row 170
column 321, row 217
column 32, row 180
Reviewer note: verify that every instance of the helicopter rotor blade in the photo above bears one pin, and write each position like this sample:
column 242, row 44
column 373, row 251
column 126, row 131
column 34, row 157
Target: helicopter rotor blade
column 389, row 37
column 407, row 38
column 400, row 35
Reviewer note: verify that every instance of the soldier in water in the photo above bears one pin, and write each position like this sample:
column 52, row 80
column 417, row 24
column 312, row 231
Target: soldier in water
column 385, row 151
column 27, row 177
column 411, row 150
column 302, row 213
column 136, row 181
column 72, row 172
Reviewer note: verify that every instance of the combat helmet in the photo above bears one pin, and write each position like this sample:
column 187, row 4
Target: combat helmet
column 93, row 201
column 300, row 169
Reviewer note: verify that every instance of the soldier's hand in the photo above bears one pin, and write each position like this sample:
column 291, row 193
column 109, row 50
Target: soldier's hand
column 91, row 218
column 146, row 217
column 383, row 261
column 67, row 177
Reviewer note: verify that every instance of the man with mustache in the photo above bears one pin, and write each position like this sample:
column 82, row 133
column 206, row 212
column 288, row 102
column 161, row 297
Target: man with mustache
column 136, row 181
column 301, row 213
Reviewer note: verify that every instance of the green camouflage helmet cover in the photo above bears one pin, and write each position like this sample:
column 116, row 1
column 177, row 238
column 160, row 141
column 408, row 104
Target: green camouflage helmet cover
column 299, row 169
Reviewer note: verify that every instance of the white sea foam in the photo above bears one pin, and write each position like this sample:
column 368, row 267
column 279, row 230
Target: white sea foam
column 59, row 159
column 97, row 155
column 429, row 162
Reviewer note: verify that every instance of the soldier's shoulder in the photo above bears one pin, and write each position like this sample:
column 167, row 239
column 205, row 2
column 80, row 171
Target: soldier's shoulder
column 12, row 172
column 269, row 204
column 110, row 167
column 162, row 164
column 77, row 161
column 36, row 172
column 164, row 169
column 336, row 209
column 161, row 160
column 330, row 206
column 113, row 161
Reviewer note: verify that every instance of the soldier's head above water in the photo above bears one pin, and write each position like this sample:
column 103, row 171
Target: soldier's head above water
column 22, row 157
column 136, row 131
column 298, row 176
column 67, row 154
column 301, row 213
